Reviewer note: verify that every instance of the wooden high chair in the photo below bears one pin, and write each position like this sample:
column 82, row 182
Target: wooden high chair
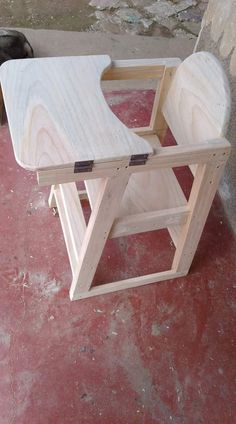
column 62, row 128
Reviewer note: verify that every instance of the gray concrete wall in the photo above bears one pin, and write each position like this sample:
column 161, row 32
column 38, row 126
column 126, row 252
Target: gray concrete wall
column 218, row 35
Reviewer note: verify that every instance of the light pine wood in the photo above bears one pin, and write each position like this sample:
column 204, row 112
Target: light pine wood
column 97, row 232
column 72, row 220
column 146, row 192
column 158, row 122
column 143, row 130
column 164, row 157
column 203, row 191
column 51, row 200
column 149, row 221
column 60, row 122
column 138, row 69
column 128, row 283
column 50, row 124
column 152, row 190
column 197, row 106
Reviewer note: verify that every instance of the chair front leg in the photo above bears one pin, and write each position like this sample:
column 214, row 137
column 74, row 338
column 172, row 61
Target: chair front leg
column 97, row 232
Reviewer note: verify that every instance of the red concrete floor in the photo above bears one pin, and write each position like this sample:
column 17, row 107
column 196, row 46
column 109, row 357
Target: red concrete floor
column 163, row 353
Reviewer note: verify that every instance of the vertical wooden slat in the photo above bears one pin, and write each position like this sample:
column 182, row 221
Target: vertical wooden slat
column 158, row 122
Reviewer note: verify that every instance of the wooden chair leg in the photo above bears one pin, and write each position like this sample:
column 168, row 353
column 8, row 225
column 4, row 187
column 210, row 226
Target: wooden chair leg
column 202, row 194
column 51, row 200
column 97, row 232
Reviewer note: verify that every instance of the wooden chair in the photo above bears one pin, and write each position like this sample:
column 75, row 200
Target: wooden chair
column 62, row 128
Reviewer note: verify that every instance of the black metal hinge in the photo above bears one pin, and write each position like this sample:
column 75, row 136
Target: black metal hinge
column 138, row 159
column 83, row 166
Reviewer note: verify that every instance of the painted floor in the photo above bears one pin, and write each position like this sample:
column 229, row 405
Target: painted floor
column 163, row 353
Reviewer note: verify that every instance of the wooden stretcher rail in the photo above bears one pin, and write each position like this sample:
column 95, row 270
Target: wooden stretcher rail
column 138, row 69
column 128, row 283
column 149, row 221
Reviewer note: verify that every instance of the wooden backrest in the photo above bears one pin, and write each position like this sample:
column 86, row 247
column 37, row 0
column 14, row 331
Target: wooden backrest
column 197, row 106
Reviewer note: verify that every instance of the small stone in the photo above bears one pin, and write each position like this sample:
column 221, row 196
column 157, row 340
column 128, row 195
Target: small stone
column 107, row 22
column 141, row 3
column 181, row 33
column 107, row 4
column 147, row 23
column 161, row 9
column 185, row 4
column 169, row 23
column 99, row 14
column 131, row 16
column 193, row 27
column 165, row 9
column 193, row 14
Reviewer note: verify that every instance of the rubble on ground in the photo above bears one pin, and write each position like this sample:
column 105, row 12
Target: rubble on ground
column 169, row 18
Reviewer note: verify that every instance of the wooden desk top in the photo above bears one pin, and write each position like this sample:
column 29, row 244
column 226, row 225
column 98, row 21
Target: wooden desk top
column 57, row 113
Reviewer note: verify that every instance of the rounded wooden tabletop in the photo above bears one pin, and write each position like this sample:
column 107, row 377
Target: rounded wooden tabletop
column 57, row 113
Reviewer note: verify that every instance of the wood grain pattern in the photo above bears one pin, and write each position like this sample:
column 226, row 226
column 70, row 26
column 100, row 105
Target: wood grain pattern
column 97, row 231
column 72, row 219
column 128, row 284
column 140, row 69
column 57, row 113
column 158, row 122
column 147, row 191
column 164, row 157
column 149, row 221
column 197, row 106
column 60, row 116
column 202, row 194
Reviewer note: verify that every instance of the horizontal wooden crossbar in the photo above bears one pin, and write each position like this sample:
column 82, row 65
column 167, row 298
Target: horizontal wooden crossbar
column 149, row 221
column 138, row 69
column 128, row 283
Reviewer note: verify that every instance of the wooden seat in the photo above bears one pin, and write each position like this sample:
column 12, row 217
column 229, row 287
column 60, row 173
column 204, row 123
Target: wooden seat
column 62, row 128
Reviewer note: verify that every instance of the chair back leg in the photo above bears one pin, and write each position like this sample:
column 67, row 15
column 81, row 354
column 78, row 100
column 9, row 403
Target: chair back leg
column 201, row 197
